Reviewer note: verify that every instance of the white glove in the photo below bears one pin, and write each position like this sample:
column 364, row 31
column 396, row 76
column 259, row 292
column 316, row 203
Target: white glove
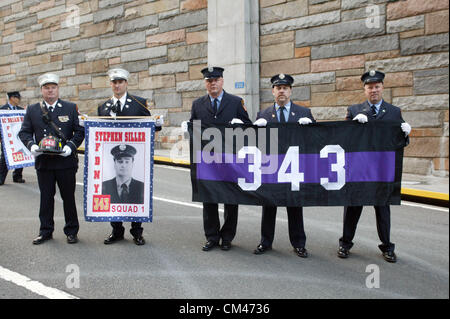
column 33, row 150
column 361, row 118
column 260, row 122
column 159, row 121
column 304, row 121
column 184, row 126
column 80, row 120
column 67, row 151
column 236, row 121
column 406, row 128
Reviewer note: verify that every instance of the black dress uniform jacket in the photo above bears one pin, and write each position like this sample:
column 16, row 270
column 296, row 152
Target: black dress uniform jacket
column 296, row 229
column 55, row 169
column 34, row 129
column 387, row 112
column 230, row 107
column 136, row 191
column 295, row 113
column 6, row 107
column 135, row 106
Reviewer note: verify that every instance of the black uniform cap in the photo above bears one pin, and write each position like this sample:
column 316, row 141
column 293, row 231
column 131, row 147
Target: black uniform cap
column 282, row 79
column 13, row 94
column 212, row 72
column 123, row 150
column 372, row 76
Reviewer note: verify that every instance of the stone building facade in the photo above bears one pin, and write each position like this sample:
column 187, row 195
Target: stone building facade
column 325, row 45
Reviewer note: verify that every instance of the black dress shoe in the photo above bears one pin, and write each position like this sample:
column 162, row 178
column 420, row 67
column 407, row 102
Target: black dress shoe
column 301, row 252
column 112, row 239
column 18, row 180
column 72, row 239
column 226, row 245
column 40, row 239
column 139, row 240
column 261, row 250
column 343, row 252
column 209, row 245
column 390, row 256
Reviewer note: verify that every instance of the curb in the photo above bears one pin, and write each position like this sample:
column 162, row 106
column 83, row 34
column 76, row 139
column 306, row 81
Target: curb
column 167, row 161
column 426, row 197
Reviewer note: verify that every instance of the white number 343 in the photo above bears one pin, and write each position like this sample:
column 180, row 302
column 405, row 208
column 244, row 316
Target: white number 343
column 292, row 160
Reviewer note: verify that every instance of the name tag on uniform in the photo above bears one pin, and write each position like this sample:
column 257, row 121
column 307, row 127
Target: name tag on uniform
column 63, row 118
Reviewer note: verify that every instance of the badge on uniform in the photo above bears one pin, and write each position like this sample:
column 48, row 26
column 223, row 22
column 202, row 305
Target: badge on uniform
column 63, row 118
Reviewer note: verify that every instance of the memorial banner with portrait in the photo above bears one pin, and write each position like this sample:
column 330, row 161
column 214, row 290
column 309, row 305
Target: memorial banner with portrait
column 15, row 153
column 322, row 164
column 118, row 172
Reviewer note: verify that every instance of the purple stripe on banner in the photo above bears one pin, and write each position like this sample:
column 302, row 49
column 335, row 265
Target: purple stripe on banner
column 359, row 167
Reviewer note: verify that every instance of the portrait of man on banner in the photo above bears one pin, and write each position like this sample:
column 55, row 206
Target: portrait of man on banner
column 124, row 188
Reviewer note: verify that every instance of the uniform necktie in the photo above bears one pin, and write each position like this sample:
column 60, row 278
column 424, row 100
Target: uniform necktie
column 282, row 118
column 125, row 193
column 50, row 108
column 118, row 107
column 215, row 106
column 374, row 110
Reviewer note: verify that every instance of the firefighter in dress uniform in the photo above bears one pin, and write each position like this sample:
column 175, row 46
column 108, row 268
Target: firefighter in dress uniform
column 123, row 103
column 218, row 107
column 54, row 121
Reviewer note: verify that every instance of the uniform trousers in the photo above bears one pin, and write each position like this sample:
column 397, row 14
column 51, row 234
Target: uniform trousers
column 17, row 174
column 351, row 218
column 66, row 181
column 211, row 222
column 297, row 235
column 118, row 229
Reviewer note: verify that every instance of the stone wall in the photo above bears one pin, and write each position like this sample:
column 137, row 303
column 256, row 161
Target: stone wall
column 327, row 45
column 162, row 43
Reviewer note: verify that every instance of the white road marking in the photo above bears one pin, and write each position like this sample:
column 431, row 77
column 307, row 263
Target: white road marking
column 424, row 206
column 403, row 203
column 34, row 286
column 175, row 168
column 178, row 202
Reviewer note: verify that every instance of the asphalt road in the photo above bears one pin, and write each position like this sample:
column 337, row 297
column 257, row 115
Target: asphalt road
column 172, row 264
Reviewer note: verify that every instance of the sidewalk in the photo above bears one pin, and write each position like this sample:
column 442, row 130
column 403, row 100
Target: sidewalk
column 419, row 188
column 428, row 189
